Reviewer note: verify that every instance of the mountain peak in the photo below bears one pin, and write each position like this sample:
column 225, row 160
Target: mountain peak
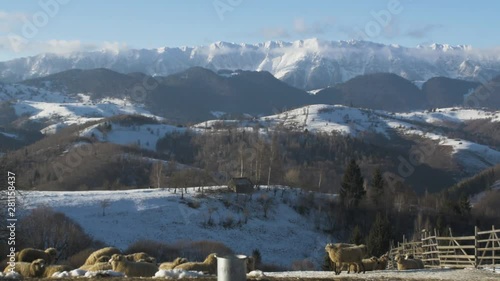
column 308, row 64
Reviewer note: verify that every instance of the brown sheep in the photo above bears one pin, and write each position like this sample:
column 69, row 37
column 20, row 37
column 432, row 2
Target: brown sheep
column 173, row 264
column 51, row 269
column 132, row 269
column 108, row 251
column 340, row 254
column 141, row 257
column 34, row 269
column 30, row 254
column 209, row 265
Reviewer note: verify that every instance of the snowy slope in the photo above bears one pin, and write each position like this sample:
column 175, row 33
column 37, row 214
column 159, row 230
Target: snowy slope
column 61, row 110
column 159, row 214
column 145, row 136
column 308, row 64
column 356, row 122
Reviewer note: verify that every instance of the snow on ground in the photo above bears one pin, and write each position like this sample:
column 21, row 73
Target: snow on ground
column 328, row 118
column 76, row 113
column 453, row 114
column 420, row 274
column 159, row 214
column 146, row 136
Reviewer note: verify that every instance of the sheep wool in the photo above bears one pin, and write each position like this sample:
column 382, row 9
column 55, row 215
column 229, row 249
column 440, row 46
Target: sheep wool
column 369, row 264
column 30, row 254
column 120, row 263
column 34, row 269
column 383, row 261
column 209, row 265
column 406, row 264
column 140, row 257
column 173, row 264
column 340, row 254
column 108, row 251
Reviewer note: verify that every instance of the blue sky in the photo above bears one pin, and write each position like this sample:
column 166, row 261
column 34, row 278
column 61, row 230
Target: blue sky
column 61, row 26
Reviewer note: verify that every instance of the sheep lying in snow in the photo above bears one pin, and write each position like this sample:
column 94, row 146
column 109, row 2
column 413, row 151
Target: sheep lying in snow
column 173, row 264
column 340, row 254
column 132, row 269
column 209, row 265
column 412, row 257
column 140, row 257
column 405, row 264
column 108, row 251
column 34, row 269
column 30, row 254
column 383, row 261
column 51, row 269
column 102, row 264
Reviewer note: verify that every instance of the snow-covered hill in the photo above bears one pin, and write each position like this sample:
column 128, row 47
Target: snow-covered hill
column 358, row 122
column 284, row 236
column 308, row 64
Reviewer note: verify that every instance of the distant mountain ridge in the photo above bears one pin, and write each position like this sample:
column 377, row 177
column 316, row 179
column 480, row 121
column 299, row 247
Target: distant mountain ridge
column 305, row 64
column 194, row 94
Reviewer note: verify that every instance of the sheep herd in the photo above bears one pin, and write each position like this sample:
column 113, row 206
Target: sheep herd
column 37, row 263
column 350, row 257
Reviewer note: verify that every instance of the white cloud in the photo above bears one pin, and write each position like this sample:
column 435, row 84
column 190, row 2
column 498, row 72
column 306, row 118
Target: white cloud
column 19, row 46
column 423, row 31
column 274, row 32
column 318, row 27
column 11, row 21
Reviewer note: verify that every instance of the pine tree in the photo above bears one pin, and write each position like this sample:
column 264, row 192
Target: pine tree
column 352, row 190
column 377, row 184
column 464, row 206
column 356, row 236
column 379, row 236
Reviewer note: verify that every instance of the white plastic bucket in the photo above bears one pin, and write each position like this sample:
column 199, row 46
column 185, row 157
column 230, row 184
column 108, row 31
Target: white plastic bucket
column 232, row 268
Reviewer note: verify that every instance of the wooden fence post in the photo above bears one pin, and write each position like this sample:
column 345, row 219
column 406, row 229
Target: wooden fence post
column 494, row 246
column 476, row 246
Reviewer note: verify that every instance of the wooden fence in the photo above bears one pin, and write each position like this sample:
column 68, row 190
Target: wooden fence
column 479, row 250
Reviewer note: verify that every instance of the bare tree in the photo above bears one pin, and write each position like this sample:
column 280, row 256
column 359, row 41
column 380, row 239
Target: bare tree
column 157, row 175
column 104, row 204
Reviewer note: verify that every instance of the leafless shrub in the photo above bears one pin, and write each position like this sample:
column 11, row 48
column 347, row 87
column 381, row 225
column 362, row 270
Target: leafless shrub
column 43, row 228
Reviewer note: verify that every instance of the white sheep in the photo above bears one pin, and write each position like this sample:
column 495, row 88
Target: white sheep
column 370, row 264
column 412, row 257
column 132, row 269
column 340, row 254
column 32, row 269
column 405, row 264
column 108, row 251
column 209, row 265
column 102, row 263
column 173, row 264
column 140, row 257
column 30, row 254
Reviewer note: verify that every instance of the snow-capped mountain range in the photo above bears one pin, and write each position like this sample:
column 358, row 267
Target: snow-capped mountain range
column 307, row 64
